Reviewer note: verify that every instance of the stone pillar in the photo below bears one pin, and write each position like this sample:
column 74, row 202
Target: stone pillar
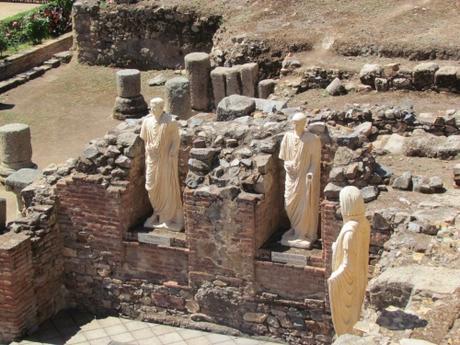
column 218, row 84
column 129, row 102
column 178, row 97
column 2, row 215
column 233, row 81
column 266, row 88
column 249, row 73
column 15, row 149
column 198, row 67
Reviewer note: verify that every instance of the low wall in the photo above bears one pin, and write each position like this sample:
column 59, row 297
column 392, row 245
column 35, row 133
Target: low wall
column 142, row 36
column 21, row 62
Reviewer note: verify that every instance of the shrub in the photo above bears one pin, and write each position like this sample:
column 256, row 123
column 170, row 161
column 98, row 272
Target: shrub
column 3, row 43
column 51, row 19
column 36, row 28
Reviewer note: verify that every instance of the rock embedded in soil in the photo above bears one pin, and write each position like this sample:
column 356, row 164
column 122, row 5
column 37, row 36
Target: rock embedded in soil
column 336, row 88
column 369, row 72
column 235, row 106
column 423, row 75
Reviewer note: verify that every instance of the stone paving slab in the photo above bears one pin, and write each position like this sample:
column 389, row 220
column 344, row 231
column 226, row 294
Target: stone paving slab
column 74, row 327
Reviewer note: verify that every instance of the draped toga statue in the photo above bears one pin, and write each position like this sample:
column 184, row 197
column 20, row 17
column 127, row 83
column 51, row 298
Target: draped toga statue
column 160, row 133
column 348, row 281
column 301, row 152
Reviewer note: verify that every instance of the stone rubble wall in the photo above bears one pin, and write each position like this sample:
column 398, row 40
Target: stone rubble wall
column 142, row 36
column 83, row 252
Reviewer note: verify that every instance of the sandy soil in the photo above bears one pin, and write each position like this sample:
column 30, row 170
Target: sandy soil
column 8, row 9
column 422, row 101
column 65, row 109
column 392, row 25
column 406, row 200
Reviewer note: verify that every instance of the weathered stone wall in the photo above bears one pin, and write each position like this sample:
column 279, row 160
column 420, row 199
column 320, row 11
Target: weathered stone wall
column 83, row 219
column 142, row 36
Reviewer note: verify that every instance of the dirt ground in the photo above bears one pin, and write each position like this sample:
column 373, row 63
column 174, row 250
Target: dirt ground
column 65, row 109
column 8, row 9
column 393, row 27
column 422, row 101
column 406, row 200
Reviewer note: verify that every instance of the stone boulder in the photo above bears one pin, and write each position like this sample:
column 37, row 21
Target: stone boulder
column 396, row 285
column 369, row 72
column 445, row 78
column 235, row 106
column 424, row 75
column 423, row 144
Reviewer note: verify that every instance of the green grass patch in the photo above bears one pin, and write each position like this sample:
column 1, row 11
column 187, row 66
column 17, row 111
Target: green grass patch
column 33, row 26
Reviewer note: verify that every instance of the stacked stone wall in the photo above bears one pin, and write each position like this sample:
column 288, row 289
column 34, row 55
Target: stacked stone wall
column 142, row 36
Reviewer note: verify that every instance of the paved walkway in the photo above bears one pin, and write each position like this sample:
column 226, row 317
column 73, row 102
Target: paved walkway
column 8, row 9
column 76, row 327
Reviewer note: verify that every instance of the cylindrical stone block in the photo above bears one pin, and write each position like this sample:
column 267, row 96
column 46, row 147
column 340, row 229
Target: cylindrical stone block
column 178, row 97
column 198, row 67
column 233, row 81
column 15, row 148
column 249, row 73
column 2, row 214
column 266, row 88
column 128, row 83
column 218, row 83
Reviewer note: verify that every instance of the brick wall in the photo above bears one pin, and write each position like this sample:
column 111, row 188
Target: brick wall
column 155, row 264
column 220, row 229
column 18, row 309
column 291, row 282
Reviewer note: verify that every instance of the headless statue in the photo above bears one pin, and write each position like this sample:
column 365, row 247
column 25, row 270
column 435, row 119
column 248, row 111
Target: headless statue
column 350, row 257
column 160, row 133
column 301, row 152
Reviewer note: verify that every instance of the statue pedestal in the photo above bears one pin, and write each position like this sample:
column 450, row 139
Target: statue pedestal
column 161, row 237
column 153, row 223
column 290, row 239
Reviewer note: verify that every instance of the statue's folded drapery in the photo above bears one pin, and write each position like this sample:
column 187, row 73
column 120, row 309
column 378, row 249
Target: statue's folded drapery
column 161, row 161
column 347, row 284
column 302, row 158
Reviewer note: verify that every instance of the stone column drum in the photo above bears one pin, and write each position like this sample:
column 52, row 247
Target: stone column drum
column 178, row 97
column 129, row 102
column 249, row 75
column 233, row 81
column 198, row 67
column 218, row 84
column 266, row 88
column 15, row 149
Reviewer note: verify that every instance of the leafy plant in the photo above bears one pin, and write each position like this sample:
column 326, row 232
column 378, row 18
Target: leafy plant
column 3, row 43
column 36, row 28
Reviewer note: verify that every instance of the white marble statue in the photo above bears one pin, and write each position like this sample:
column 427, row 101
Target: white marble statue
column 348, row 281
column 160, row 133
column 301, row 152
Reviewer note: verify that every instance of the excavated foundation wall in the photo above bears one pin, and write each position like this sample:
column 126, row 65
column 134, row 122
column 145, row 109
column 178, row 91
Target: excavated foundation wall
column 78, row 244
column 143, row 36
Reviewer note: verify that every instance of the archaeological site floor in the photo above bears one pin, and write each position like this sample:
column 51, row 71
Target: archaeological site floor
column 73, row 327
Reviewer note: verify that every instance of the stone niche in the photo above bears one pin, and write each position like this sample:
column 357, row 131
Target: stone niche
column 142, row 36
column 215, row 271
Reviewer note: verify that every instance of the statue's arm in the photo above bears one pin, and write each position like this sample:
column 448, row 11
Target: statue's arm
column 315, row 158
column 344, row 266
column 142, row 134
column 175, row 142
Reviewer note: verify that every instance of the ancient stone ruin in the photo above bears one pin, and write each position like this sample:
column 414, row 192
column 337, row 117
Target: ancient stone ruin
column 222, row 206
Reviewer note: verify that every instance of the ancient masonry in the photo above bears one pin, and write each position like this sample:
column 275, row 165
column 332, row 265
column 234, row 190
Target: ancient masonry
column 81, row 242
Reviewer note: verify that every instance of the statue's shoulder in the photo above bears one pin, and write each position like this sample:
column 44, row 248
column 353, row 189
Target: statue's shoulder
column 310, row 137
column 350, row 226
